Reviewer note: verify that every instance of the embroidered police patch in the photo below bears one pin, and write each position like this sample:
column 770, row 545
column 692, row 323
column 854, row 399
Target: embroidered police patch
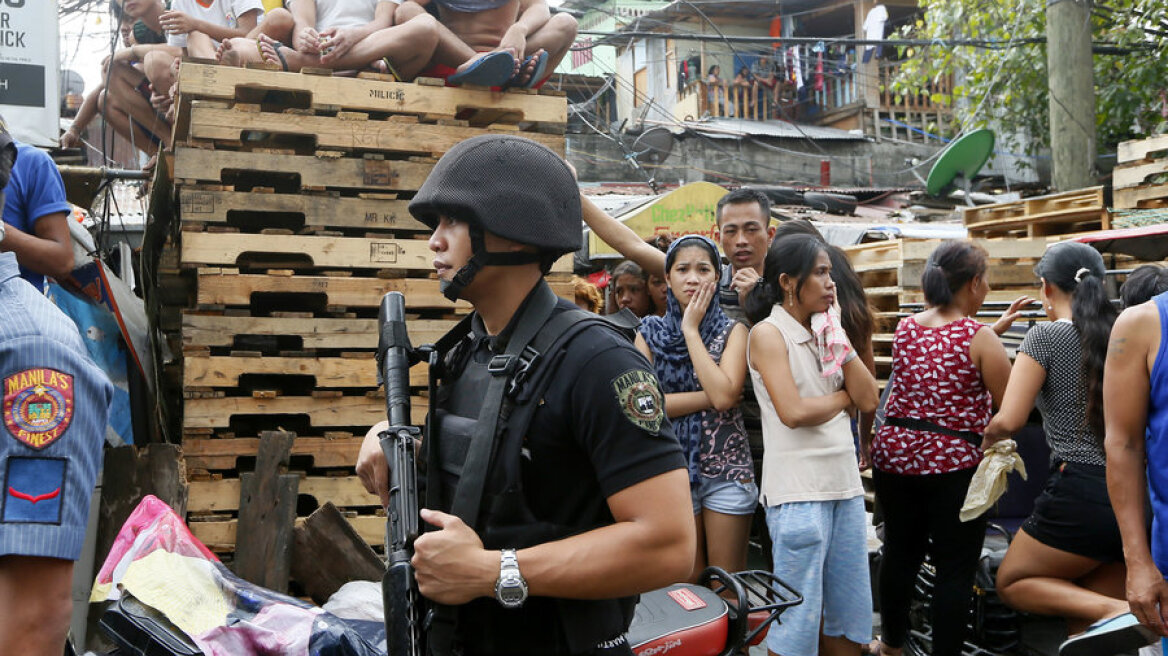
column 38, row 405
column 33, row 490
column 640, row 399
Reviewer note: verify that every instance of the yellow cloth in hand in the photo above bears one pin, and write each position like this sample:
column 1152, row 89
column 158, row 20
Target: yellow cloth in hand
column 989, row 481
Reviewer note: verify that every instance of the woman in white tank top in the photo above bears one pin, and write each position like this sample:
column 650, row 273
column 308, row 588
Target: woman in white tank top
column 808, row 382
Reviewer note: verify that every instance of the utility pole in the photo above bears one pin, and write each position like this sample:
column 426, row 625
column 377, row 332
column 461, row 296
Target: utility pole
column 1072, row 93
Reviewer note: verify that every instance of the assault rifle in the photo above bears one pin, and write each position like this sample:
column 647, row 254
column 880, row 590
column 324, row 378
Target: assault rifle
column 399, row 589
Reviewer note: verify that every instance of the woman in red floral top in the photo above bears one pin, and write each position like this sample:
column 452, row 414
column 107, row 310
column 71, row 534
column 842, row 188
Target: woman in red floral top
column 949, row 372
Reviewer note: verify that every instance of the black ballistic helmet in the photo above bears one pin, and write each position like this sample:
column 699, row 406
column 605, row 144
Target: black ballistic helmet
column 511, row 187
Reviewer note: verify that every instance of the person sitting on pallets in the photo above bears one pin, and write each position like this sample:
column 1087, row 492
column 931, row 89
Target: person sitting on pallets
column 495, row 43
column 196, row 28
column 343, row 34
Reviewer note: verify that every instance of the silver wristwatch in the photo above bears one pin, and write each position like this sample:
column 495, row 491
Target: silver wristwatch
column 510, row 588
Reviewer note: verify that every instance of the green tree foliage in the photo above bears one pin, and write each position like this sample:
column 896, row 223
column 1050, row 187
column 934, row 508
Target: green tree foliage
column 1006, row 82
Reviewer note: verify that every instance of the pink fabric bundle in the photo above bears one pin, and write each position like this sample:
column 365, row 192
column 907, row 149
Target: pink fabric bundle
column 831, row 341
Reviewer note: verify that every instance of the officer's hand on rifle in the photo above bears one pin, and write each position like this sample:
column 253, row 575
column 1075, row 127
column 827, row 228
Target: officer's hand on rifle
column 450, row 564
column 371, row 466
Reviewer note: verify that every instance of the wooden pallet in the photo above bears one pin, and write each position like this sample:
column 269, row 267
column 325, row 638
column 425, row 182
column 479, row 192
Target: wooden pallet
column 220, row 454
column 245, row 170
column 354, row 132
column 218, row 534
column 253, row 212
column 223, row 495
column 1056, row 214
column 324, row 334
column 299, row 251
column 206, row 371
column 888, row 268
column 307, row 252
column 321, row 413
column 216, row 286
column 1136, row 163
column 331, row 93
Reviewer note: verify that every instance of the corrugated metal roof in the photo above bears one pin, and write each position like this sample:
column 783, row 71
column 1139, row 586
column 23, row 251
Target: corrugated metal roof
column 736, row 128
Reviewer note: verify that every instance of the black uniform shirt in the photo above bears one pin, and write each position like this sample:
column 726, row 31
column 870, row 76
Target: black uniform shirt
column 600, row 427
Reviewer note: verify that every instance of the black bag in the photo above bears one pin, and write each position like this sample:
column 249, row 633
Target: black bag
column 141, row 630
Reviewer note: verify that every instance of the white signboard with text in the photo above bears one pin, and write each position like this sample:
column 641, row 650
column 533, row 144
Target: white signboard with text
column 29, row 68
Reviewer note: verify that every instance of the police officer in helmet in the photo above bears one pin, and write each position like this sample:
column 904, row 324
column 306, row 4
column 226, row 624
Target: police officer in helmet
column 583, row 500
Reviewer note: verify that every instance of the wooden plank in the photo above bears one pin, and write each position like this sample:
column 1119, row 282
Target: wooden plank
column 202, row 81
column 342, row 173
column 203, row 330
column 1142, row 196
column 327, row 553
column 1069, row 215
column 216, row 287
column 320, row 252
column 211, row 206
column 223, row 495
column 1137, row 149
column 1090, row 198
column 357, row 411
column 341, row 252
column 267, row 512
column 1133, row 175
column 219, row 536
column 219, row 453
column 330, row 132
column 995, row 248
column 1014, row 275
column 210, row 371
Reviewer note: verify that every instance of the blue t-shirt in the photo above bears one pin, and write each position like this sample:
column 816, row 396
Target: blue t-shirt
column 1157, row 441
column 34, row 190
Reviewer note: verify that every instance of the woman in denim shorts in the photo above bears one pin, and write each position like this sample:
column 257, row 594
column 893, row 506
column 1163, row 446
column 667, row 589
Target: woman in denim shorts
column 699, row 355
column 808, row 378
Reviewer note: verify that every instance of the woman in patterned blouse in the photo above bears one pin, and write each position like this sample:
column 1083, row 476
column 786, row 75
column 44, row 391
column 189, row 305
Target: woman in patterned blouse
column 948, row 371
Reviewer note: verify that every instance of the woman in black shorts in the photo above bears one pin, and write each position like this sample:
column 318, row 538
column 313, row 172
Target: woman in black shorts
column 1068, row 558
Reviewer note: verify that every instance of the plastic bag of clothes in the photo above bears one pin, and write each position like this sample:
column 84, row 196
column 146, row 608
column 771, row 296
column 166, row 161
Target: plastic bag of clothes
column 989, row 481
column 157, row 560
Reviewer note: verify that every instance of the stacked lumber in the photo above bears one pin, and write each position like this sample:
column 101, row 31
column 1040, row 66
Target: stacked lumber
column 278, row 222
column 1064, row 213
column 891, row 274
column 1137, row 162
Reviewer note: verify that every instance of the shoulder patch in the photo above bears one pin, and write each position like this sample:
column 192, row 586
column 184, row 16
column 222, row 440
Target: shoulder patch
column 38, row 405
column 640, row 399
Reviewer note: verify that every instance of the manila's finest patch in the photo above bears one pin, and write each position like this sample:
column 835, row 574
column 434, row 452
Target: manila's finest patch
column 38, row 405
column 640, row 399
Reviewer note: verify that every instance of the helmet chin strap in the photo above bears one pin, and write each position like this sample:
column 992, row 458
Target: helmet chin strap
column 480, row 258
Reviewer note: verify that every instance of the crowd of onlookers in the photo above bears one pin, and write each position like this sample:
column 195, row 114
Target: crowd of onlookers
column 782, row 333
column 495, row 43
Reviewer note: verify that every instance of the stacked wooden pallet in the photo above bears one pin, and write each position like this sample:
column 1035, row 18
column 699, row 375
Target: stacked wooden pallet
column 1137, row 162
column 891, row 273
column 278, row 223
column 1040, row 216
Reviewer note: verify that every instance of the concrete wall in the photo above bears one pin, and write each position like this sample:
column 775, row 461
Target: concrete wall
column 770, row 161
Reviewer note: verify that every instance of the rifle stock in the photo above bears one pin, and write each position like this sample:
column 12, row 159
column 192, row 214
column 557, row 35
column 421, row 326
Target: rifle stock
column 399, row 588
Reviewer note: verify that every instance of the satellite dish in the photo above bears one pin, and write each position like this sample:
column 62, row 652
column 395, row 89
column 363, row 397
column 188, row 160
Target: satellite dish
column 653, row 146
column 959, row 162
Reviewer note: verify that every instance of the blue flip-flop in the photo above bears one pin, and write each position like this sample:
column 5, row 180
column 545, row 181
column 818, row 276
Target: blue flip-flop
column 537, row 74
column 490, row 70
column 1116, row 635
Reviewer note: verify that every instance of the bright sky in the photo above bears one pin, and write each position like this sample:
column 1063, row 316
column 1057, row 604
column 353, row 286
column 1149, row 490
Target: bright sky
column 85, row 41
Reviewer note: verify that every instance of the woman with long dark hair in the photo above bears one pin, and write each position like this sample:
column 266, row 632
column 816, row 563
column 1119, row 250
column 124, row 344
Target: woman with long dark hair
column 1068, row 558
column 699, row 355
column 807, row 378
column 948, row 372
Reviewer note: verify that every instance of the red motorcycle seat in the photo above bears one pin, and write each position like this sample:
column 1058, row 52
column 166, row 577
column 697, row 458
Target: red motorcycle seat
column 681, row 620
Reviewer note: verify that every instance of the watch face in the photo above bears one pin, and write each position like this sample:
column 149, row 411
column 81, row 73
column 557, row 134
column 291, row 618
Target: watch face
column 511, row 591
